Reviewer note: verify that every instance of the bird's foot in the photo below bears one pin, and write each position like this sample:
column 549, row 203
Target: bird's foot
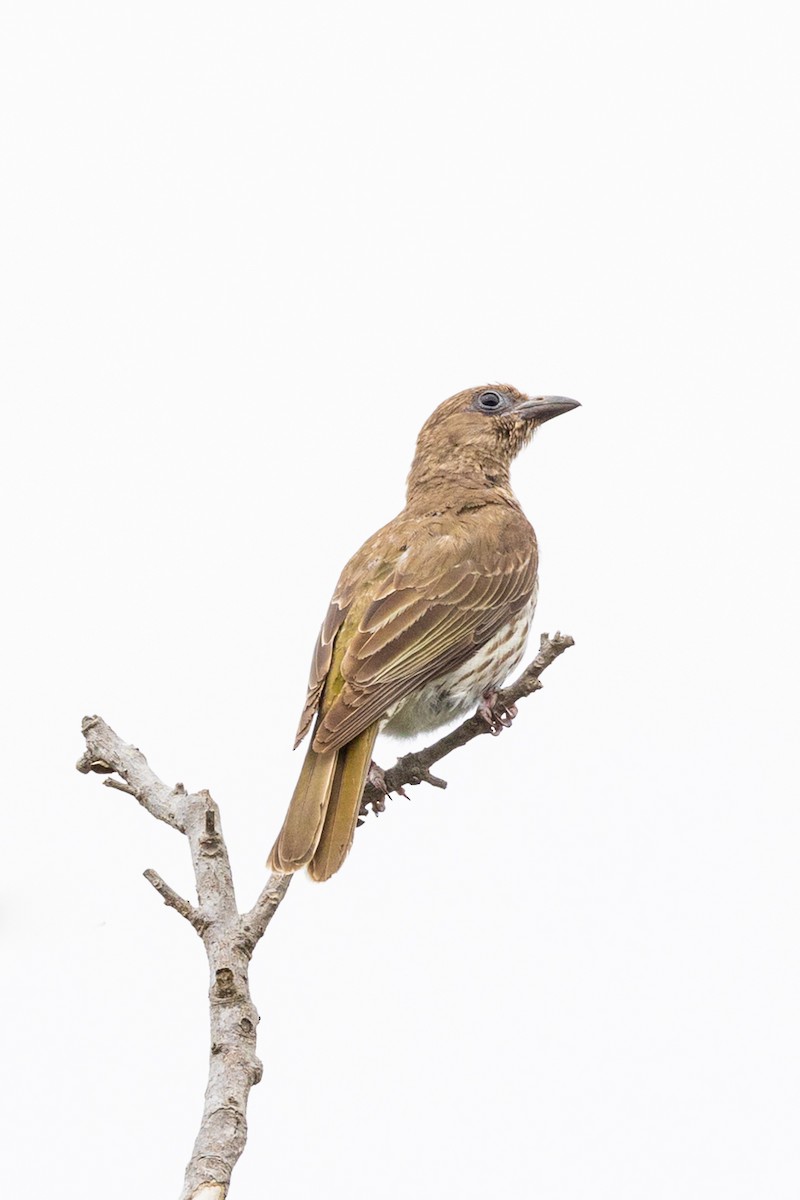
column 376, row 791
column 377, row 777
column 497, row 716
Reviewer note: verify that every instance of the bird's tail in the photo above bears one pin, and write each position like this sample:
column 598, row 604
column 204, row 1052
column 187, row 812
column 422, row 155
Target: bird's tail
column 319, row 827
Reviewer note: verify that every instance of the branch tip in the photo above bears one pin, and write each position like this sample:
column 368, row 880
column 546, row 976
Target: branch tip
column 173, row 900
column 120, row 785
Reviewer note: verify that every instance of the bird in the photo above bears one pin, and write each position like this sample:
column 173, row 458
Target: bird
column 427, row 618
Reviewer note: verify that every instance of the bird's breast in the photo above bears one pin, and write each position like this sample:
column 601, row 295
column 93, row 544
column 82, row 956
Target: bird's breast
column 459, row 691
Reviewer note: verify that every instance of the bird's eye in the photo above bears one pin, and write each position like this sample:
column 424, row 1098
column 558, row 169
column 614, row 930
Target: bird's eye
column 489, row 402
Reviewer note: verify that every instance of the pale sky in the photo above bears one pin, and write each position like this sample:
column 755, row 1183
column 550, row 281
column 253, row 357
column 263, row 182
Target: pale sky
column 246, row 250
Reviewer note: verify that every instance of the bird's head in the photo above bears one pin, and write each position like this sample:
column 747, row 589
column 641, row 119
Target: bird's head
column 475, row 434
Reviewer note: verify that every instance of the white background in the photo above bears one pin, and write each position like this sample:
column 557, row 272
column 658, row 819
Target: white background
column 246, row 250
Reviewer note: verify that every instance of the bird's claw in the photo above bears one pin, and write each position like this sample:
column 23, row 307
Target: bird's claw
column 497, row 717
column 376, row 779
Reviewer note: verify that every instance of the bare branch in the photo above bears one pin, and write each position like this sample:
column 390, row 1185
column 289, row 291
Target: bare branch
column 255, row 922
column 549, row 650
column 118, row 784
column 229, row 937
column 173, row 900
column 105, row 753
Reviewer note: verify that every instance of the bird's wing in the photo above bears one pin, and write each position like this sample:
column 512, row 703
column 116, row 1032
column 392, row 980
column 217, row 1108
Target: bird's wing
column 443, row 598
column 321, row 662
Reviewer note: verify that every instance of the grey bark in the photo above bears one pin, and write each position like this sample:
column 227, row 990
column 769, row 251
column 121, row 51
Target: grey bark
column 229, row 938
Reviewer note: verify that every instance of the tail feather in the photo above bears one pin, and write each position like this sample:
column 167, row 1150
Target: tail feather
column 302, row 826
column 344, row 801
column 318, row 829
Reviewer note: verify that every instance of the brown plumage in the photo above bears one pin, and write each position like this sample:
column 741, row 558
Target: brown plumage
column 427, row 618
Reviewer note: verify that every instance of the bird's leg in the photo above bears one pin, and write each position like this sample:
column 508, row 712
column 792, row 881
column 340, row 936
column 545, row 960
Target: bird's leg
column 496, row 718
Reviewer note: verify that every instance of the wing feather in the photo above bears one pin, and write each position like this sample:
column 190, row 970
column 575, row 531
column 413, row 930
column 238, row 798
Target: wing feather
column 408, row 608
column 320, row 666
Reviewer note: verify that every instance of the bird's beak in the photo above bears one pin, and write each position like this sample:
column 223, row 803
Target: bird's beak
column 542, row 408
